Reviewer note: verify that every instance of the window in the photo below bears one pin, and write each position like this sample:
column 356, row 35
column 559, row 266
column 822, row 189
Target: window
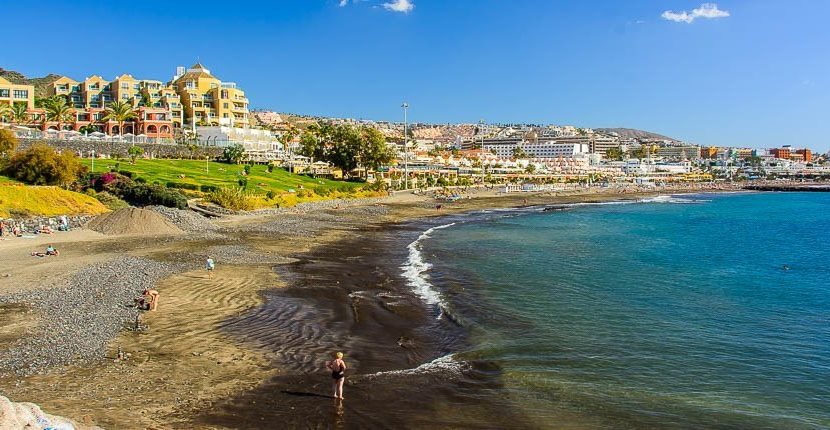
column 21, row 94
column 224, row 115
column 225, row 105
column 125, row 96
column 125, row 86
column 4, row 92
column 190, row 84
column 224, row 94
column 76, row 88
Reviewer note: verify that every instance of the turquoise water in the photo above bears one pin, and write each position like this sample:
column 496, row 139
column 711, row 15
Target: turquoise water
column 674, row 314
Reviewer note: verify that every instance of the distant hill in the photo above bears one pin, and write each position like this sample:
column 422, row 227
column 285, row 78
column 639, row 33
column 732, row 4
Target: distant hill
column 630, row 133
column 41, row 84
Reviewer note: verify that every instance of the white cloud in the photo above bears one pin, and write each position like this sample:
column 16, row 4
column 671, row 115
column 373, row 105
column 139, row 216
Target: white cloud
column 706, row 11
column 343, row 3
column 403, row 6
column 709, row 11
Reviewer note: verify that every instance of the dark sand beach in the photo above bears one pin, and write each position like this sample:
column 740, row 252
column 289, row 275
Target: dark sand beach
column 246, row 348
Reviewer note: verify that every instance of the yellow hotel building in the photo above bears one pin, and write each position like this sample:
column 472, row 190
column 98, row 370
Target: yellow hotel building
column 192, row 97
column 12, row 94
column 209, row 101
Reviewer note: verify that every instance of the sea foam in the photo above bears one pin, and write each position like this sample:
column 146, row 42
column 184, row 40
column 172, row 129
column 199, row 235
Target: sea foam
column 416, row 270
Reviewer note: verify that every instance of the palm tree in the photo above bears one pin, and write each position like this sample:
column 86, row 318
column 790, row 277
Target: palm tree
column 119, row 112
column 288, row 137
column 58, row 110
column 20, row 113
column 5, row 112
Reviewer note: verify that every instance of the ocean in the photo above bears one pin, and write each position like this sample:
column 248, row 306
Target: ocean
column 693, row 311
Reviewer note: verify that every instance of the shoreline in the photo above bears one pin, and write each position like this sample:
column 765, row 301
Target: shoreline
column 296, row 235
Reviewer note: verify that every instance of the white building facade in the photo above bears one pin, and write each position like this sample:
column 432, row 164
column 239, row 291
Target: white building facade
column 537, row 149
column 260, row 145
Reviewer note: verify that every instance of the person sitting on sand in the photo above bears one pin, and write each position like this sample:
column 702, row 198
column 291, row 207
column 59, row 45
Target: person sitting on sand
column 50, row 250
column 338, row 373
column 149, row 300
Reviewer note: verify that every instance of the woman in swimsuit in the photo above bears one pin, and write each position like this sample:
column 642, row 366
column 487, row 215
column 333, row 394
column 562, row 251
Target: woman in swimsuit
column 338, row 373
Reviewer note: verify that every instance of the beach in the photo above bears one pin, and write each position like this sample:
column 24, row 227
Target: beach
column 245, row 348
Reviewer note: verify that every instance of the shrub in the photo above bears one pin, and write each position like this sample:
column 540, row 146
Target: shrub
column 243, row 183
column 208, row 188
column 182, row 186
column 247, row 169
column 305, row 193
column 140, row 180
column 41, row 165
column 286, row 200
column 230, row 198
column 126, row 173
column 270, row 195
column 8, row 143
column 143, row 194
column 376, row 186
column 270, row 168
column 110, row 201
column 233, row 154
column 323, row 191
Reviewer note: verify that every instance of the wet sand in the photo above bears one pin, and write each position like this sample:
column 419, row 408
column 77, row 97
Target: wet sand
column 246, row 349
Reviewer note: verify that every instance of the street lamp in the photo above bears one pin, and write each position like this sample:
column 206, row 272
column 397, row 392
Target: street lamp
column 481, row 131
column 405, row 106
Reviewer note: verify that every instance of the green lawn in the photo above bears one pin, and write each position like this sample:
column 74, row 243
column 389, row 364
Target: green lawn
column 218, row 174
column 6, row 180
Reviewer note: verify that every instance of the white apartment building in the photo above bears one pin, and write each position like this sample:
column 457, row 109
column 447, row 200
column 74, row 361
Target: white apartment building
column 537, row 149
column 679, row 152
column 260, row 145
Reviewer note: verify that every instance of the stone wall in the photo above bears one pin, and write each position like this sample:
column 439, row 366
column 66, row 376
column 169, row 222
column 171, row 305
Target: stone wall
column 29, row 225
column 84, row 148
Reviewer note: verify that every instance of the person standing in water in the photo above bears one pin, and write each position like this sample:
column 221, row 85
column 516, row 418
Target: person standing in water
column 338, row 373
column 210, row 265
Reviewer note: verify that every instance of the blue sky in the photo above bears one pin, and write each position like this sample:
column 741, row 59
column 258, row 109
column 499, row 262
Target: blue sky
column 757, row 77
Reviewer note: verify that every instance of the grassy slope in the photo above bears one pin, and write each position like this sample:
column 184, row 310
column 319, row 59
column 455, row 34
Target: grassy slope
column 47, row 201
column 221, row 174
column 5, row 180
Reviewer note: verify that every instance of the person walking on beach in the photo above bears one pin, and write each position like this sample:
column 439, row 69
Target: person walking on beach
column 210, row 265
column 338, row 373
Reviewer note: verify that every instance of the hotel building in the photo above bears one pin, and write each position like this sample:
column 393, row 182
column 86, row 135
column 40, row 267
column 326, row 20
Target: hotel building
column 193, row 97
column 11, row 94
column 209, row 101
column 155, row 113
column 505, row 148
column 679, row 152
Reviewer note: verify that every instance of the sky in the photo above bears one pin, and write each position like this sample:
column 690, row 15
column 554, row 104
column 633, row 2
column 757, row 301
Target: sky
column 736, row 73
